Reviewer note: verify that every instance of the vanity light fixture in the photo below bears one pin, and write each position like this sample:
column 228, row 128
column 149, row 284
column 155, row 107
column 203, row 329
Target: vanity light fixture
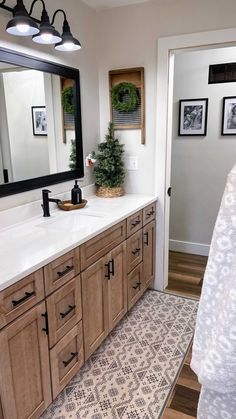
column 47, row 33
column 68, row 42
column 23, row 24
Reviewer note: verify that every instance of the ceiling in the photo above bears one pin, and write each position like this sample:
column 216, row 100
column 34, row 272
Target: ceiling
column 105, row 4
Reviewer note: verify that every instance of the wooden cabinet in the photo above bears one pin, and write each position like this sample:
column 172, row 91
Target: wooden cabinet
column 149, row 213
column 20, row 297
column 134, row 250
column 117, row 285
column 104, row 297
column 54, row 319
column 61, row 270
column 64, row 310
column 149, row 244
column 134, row 223
column 135, row 285
column 25, row 386
column 99, row 246
column 66, row 358
column 95, row 306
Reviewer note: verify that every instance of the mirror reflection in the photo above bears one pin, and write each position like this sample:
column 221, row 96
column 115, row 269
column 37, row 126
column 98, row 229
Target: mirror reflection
column 37, row 124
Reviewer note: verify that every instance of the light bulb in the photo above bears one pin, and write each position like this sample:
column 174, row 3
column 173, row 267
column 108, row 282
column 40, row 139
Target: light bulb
column 46, row 37
column 69, row 46
column 22, row 28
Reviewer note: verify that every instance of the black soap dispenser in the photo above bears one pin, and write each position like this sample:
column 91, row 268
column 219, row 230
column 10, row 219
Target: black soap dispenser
column 76, row 194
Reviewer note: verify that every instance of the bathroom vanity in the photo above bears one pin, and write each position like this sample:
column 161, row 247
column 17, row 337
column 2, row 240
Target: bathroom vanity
column 68, row 287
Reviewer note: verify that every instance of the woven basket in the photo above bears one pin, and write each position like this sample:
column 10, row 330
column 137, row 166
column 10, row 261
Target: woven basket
column 106, row 192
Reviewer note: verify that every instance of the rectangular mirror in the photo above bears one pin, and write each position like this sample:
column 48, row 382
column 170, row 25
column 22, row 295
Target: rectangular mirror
column 40, row 123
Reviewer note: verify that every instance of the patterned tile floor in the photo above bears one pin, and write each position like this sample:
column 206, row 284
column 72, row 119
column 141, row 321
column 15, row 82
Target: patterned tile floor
column 132, row 373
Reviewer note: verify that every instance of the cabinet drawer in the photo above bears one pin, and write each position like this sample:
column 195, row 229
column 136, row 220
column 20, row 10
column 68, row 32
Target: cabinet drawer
column 20, row 297
column 61, row 270
column 134, row 223
column 134, row 250
column 149, row 213
column 64, row 310
column 97, row 247
column 135, row 285
column 66, row 357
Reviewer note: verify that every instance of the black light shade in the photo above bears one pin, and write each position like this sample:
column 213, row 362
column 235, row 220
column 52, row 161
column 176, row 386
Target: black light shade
column 47, row 33
column 21, row 24
column 68, row 43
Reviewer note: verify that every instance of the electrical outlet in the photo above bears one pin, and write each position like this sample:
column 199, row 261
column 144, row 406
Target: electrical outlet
column 131, row 163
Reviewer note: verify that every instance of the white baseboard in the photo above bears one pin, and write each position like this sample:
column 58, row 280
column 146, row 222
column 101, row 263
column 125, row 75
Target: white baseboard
column 188, row 247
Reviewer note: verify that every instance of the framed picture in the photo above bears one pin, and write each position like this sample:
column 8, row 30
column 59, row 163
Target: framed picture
column 229, row 116
column 193, row 117
column 39, row 120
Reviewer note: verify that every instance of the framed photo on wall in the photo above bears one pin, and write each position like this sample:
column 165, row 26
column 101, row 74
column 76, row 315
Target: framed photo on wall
column 229, row 116
column 193, row 117
column 39, row 120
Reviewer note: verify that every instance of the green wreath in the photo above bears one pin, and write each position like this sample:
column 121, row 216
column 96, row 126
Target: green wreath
column 67, row 96
column 117, row 96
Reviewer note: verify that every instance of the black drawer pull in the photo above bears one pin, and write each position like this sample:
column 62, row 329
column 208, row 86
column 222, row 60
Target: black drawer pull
column 108, row 274
column 68, row 269
column 135, row 223
column 73, row 355
column 26, row 296
column 149, row 214
column 137, row 285
column 136, row 251
column 45, row 329
column 112, row 267
column 71, row 308
column 146, row 236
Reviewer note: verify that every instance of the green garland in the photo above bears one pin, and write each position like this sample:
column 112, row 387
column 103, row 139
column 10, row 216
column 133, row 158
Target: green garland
column 67, row 100
column 117, row 95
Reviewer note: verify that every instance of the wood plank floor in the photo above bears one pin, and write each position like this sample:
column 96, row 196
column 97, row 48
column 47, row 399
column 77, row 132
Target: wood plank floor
column 186, row 273
column 184, row 399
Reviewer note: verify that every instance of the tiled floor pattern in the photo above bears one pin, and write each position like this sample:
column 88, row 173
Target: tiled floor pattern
column 133, row 372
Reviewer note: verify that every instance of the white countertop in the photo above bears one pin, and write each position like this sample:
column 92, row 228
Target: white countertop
column 29, row 245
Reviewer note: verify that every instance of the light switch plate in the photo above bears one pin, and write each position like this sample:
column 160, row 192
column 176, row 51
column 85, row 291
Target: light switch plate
column 131, row 163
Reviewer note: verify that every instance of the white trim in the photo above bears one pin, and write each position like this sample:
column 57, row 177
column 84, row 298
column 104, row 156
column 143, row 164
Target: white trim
column 189, row 247
column 166, row 49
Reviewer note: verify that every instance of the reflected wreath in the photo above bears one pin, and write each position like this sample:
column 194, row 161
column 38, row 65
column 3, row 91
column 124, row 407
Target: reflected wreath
column 67, row 100
column 117, row 97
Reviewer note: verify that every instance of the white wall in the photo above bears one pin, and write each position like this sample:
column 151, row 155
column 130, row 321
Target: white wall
column 199, row 164
column 129, row 39
column 83, row 22
column 29, row 153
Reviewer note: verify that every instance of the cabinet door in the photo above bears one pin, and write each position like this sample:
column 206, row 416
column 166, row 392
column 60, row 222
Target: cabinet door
column 64, row 310
column 149, row 245
column 134, row 250
column 94, row 303
column 135, row 285
column 61, row 270
column 66, row 358
column 117, row 285
column 25, row 388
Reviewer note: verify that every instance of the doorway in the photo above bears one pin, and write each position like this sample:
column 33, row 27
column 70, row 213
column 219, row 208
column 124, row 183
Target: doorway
column 199, row 163
column 168, row 48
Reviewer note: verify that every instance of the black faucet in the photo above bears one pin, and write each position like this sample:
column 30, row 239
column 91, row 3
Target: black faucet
column 46, row 200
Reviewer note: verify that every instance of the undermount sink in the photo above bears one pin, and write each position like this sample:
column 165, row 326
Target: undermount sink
column 71, row 222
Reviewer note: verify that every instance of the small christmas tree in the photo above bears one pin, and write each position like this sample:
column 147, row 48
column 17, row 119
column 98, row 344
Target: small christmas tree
column 109, row 170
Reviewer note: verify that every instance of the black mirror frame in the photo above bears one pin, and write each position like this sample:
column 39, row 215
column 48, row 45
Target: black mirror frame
column 17, row 58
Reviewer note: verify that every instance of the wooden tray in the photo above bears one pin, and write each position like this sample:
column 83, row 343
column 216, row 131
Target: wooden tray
column 68, row 206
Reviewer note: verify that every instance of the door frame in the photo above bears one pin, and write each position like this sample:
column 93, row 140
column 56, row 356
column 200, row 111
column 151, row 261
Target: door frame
column 166, row 50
